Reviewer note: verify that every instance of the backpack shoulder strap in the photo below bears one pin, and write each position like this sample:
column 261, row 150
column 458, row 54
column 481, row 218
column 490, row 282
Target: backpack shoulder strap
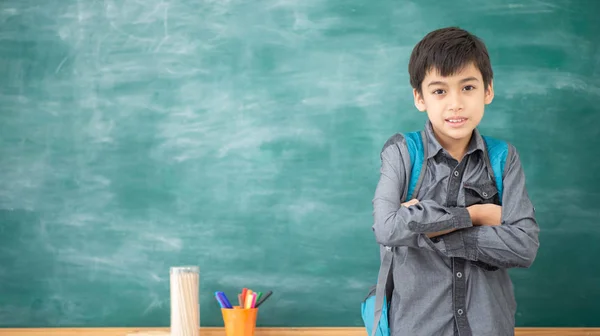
column 497, row 152
column 416, row 150
column 384, row 289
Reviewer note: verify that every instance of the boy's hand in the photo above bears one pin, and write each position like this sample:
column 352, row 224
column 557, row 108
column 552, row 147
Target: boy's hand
column 485, row 214
column 411, row 202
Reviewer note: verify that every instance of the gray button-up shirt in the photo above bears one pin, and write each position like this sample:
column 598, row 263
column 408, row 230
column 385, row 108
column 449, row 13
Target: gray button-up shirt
column 455, row 284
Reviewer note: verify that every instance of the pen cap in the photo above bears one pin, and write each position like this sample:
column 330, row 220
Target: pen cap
column 239, row 322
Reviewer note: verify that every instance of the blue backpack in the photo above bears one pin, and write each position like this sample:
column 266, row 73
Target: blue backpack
column 374, row 309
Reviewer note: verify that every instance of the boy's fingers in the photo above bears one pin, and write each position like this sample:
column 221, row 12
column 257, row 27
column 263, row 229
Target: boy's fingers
column 411, row 202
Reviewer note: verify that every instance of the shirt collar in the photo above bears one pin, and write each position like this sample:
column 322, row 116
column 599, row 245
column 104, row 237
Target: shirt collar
column 434, row 147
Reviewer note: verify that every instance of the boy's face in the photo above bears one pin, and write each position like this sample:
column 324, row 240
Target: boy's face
column 454, row 104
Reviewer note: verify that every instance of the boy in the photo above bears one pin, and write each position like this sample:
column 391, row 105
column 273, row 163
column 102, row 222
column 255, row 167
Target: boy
column 453, row 243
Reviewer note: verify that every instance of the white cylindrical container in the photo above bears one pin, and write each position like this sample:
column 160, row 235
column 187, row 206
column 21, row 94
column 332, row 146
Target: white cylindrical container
column 185, row 304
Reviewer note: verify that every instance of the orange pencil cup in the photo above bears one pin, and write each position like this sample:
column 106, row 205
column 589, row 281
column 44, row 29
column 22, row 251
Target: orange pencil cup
column 239, row 322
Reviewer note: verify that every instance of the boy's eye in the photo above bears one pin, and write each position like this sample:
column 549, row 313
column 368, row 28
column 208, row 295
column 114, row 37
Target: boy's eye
column 469, row 88
column 439, row 92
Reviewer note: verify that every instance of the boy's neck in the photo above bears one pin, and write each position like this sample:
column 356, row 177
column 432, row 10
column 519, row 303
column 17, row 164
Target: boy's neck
column 456, row 148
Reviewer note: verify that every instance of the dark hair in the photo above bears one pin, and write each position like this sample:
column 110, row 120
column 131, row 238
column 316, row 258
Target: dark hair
column 448, row 50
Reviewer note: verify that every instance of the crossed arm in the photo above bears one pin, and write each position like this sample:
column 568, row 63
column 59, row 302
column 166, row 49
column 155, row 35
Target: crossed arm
column 479, row 214
column 504, row 236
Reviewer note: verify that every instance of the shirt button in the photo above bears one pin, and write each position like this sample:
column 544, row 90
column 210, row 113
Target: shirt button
column 460, row 312
column 459, row 275
column 484, row 194
column 456, row 173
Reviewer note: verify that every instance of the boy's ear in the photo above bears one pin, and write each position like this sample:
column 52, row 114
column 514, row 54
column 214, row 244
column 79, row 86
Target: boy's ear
column 489, row 93
column 419, row 102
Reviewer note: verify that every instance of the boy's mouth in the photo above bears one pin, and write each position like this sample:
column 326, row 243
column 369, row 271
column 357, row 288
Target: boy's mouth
column 456, row 121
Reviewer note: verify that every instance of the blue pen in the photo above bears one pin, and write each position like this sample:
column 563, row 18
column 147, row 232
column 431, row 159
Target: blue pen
column 225, row 300
column 219, row 300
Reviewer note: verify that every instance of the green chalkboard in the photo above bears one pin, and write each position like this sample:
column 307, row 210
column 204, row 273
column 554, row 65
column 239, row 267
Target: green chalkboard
column 244, row 136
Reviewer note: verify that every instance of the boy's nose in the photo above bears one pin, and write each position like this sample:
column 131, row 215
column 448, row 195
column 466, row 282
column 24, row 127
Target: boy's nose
column 455, row 102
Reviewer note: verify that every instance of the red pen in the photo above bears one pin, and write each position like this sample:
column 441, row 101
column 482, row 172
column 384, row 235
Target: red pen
column 244, row 292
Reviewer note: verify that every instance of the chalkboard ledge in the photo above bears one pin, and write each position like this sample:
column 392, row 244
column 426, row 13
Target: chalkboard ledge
column 259, row 331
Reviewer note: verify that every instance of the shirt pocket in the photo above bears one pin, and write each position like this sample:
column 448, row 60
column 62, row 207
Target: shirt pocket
column 481, row 193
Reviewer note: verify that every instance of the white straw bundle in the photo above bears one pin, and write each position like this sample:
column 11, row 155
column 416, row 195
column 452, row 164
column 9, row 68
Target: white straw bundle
column 185, row 308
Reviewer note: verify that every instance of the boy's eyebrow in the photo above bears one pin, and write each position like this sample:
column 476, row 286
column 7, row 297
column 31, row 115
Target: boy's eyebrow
column 464, row 80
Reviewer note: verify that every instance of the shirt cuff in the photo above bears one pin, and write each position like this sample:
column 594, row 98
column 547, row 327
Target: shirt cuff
column 461, row 218
column 462, row 244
